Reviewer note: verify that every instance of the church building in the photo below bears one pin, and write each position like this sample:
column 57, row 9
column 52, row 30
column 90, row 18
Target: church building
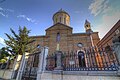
column 60, row 35
column 65, row 55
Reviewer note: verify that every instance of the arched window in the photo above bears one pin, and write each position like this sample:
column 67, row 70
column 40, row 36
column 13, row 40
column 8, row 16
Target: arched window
column 80, row 45
column 64, row 20
column 56, row 20
column 60, row 19
column 58, row 37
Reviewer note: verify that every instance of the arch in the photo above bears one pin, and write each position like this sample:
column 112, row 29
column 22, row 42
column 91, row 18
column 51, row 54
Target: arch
column 81, row 59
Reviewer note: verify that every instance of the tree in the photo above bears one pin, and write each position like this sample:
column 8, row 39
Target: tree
column 19, row 43
column 4, row 58
column 3, row 55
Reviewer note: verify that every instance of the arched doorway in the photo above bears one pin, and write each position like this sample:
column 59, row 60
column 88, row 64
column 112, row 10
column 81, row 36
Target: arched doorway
column 81, row 59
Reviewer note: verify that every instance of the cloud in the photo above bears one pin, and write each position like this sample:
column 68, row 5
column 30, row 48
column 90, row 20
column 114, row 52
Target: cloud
column 1, row 9
column 4, row 12
column 9, row 10
column 108, row 21
column 21, row 16
column 106, row 14
column 2, row 42
column 27, row 18
column 5, row 15
column 99, row 6
column 77, row 11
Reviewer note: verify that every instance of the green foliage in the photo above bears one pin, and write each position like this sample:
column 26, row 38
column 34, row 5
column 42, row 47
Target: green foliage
column 3, row 55
column 3, row 60
column 19, row 43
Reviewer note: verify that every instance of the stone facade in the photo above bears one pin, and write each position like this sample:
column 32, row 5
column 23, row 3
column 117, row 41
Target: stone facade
column 68, row 40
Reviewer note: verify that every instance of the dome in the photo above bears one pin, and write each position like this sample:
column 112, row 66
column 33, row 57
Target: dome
column 61, row 11
column 61, row 17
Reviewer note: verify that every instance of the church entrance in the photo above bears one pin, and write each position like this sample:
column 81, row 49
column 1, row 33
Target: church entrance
column 81, row 59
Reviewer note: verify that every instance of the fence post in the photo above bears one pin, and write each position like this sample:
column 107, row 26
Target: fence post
column 13, row 67
column 42, row 62
column 116, row 46
column 22, row 65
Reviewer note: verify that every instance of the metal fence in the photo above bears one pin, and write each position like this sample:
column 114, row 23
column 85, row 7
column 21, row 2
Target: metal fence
column 31, row 67
column 87, row 59
column 51, row 62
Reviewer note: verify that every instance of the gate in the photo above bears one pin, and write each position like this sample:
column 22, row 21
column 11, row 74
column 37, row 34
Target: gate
column 30, row 71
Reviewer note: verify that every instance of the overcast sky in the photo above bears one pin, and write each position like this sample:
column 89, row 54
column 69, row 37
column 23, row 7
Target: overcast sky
column 36, row 15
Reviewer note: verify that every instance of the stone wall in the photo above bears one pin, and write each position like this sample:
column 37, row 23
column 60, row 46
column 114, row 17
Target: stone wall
column 68, row 41
column 78, row 76
column 6, row 74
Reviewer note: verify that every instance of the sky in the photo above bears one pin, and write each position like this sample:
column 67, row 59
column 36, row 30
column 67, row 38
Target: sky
column 36, row 15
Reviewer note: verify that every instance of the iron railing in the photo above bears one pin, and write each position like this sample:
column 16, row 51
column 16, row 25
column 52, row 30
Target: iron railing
column 90, row 59
column 31, row 67
column 30, row 73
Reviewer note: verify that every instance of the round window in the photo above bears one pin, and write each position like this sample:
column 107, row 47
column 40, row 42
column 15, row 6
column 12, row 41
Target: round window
column 80, row 45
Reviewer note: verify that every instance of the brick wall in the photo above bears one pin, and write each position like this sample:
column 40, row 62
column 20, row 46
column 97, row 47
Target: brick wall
column 68, row 40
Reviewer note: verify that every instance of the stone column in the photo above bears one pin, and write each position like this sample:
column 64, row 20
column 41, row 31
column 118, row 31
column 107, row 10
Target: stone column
column 59, row 60
column 58, row 71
